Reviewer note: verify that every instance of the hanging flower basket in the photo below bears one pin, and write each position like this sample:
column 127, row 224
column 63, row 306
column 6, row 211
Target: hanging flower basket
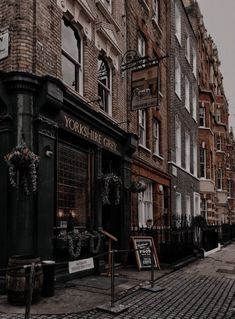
column 138, row 187
column 22, row 169
column 112, row 183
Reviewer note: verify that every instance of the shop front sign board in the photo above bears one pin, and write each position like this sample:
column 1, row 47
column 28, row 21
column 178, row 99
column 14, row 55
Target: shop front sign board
column 81, row 265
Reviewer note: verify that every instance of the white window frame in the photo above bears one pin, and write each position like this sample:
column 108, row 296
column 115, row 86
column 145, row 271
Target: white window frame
column 187, row 93
column 145, row 205
column 141, row 45
column 178, row 208
column 177, row 78
column 203, row 162
column 204, row 208
column 155, row 4
column 218, row 115
column 195, row 168
column 187, row 152
column 178, row 23
column 156, row 137
column 78, row 63
column 107, row 89
column 187, row 46
column 219, row 179
column 197, row 198
column 178, row 154
column 218, row 142
column 142, row 128
column 194, row 62
column 188, row 209
column 194, row 105
column 202, row 116
column 108, row 4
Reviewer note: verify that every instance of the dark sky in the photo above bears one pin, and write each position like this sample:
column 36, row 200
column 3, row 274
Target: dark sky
column 219, row 20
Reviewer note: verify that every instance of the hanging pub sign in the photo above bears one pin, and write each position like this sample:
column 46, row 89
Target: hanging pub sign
column 144, row 88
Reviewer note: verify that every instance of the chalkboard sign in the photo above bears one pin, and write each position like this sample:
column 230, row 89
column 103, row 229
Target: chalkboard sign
column 142, row 246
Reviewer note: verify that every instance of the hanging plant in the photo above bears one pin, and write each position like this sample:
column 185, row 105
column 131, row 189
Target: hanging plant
column 138, row 187
column 22, row 169
column 93, row 249
column 74, row 244
column 111, row 181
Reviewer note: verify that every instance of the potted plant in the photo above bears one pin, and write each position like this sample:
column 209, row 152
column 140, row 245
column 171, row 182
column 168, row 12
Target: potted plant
column 138, row 186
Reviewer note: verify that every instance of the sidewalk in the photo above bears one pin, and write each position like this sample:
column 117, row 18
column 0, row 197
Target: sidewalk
column 86, row 293
column 205, row 289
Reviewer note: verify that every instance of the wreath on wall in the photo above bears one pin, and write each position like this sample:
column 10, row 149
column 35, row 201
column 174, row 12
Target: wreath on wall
column 74, row 244
column 22, row 168
column 111, row 182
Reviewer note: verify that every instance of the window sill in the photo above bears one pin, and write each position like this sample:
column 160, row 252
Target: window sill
column 156, row 24
column 108, row 15
column 178, row 96
column 144, row 4
column 144, row 148
column 157, row 156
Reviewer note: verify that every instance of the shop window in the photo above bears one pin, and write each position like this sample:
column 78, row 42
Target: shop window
column 71, row 57
column 145, row 206
column 104, row 85
column 72, row 187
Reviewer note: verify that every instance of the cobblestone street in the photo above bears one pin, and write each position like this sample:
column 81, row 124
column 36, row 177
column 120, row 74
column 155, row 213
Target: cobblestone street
column 204, row 289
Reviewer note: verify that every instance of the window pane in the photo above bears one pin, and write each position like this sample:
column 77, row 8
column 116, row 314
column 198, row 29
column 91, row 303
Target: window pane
column 70, row 43
column 72, row 192
column 68, row 72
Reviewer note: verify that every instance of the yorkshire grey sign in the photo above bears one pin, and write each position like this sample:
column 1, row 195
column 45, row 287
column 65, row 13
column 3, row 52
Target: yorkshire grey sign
column 144, row 88
column 4, row 43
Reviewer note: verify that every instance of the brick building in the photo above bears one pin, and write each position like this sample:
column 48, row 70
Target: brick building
column 147, row 37
column 216, row 145
column 62, row 93
column 183, row 115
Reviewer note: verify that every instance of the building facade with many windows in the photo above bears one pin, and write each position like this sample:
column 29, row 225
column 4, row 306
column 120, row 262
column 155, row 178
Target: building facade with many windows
column 147, row 38
column 183, row 116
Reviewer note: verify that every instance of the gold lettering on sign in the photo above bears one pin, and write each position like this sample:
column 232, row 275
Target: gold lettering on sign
column 86, row 131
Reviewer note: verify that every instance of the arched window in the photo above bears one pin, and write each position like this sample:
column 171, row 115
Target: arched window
column 71, row 56
column 104, row 84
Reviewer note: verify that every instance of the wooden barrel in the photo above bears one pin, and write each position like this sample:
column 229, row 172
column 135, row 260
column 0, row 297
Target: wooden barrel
column 17, row 280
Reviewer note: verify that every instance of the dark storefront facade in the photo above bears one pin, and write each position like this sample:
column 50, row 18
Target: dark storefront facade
column 80, row 151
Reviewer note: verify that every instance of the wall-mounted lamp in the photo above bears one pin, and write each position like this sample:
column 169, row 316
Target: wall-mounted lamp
column 48, row 151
